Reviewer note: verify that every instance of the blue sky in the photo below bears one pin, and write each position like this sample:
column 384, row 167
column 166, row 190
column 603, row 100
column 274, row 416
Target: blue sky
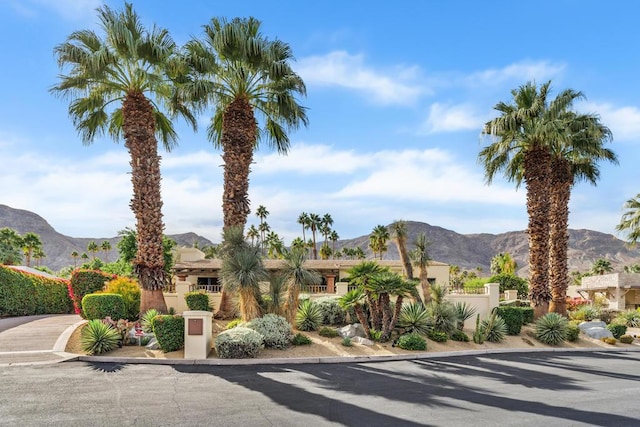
column 396, row 96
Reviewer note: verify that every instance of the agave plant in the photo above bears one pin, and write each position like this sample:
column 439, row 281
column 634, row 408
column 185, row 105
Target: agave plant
column 309, row 316
column 629, row 318
column 443, row 315
column 464, row 311
column 551, row 329
column 98, row 337
column 147, row 320
column 415, row 319
column 494, row 328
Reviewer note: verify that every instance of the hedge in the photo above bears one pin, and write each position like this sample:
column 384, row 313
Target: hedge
column 513, row 317
column 197, row 300
column 85, row 282
column 169, row 331
column 130, row 291
column 25, row 294
column 100, row 306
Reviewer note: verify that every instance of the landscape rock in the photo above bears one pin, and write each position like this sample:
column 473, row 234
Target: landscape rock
column 153, row 345
column 350, row 331
column 361, row 340
column 593, row 324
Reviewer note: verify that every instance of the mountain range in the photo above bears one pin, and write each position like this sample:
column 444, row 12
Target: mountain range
column 469, row 251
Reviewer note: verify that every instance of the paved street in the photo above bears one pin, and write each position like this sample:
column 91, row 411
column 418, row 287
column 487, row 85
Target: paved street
column 556, row 389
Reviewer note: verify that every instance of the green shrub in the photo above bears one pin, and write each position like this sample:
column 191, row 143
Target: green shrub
column 437, row 336
column 301, row 339
column 513, row 318
column 494, row 328
column 169, row 331
column 511, row 282
column 347, row 342
column 631, row 318
column 146, row 322
column 585, row 313
column 98, row 337
column 238, row 343
column 527, row 315
column 414, row 318
column 459, row 336
column 375, row 335
column 551, row 329
column 309, row 316
column 24, row 294
column 100, row 306
column 443, row 316
column 617, row 329
column 197, row 300
column 573, row 332
column 412, row 342
column 332, row 313
column 275, row 330
column 85, row 282
column 626, row 339
column 130, row 292
column 234, row 323
column 328, row 332
column 475, row 284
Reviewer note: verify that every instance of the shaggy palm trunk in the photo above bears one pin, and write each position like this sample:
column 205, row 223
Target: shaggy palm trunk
column 424, row 284
column 387, row 316
column 249, row 307
column 401, row 243
column 396, row 315
column 561, row 182
column 536, row 175
column 292, row 303
column 362, row 319
column 374, row 310
column 139, row 134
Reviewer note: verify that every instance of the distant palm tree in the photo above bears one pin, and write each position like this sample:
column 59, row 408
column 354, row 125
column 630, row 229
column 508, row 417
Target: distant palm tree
column 298, row 244
column 399, row 235
column 601, row 266
column 117, row 83
column 297, row 277
column 75, row 256
column 38, row 254
column 106, row 248
column 303, row 220
column 253, row 234
column 93, row 248
column 315, row 222
column 30, row 243
column 334, row 237
column 378, row 239
column 630, row 221
column 241, row 73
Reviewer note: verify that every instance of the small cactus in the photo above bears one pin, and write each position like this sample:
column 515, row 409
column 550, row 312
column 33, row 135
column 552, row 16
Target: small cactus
column 478, row 334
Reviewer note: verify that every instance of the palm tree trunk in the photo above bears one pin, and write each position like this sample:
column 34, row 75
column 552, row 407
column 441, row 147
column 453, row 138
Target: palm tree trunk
column 536, row 175
column 404, row 258
column 561, row 182
column 292, row 303
column 249, row 307
column 362, row 319
column 239, row 131
column 146, row 204
column 396, row 315
column 424, row 284
column 385, row 303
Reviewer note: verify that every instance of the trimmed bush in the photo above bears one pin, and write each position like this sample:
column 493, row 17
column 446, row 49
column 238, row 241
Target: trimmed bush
column 511, row 282
column 437, row 336
column 85, row 282
column 494, row 328
column 573, row 332
column 301, row 339
column 234, row 323
column 99, row 306
column 527, row 315
column 412, row 342
column 328, row 332
column 332, row 313
column 626, row 339
column 130, row 291
column 238, row 343
column 513, row 318
column 459, row 336
column 275, row 330
column 169, row 331
column 617, row 330
column 551, row 329
column 147, row 320
column 98, row 337
column 309, row 316
column 197, row 300
column 24, row 294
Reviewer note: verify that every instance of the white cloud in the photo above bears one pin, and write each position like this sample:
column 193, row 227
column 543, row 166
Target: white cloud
column 624, row 122
column 311, row 159
column 539, row 71
column 451, row 118
column 396, row 86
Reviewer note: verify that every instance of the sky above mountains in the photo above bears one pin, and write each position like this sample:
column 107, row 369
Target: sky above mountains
column 396, row 95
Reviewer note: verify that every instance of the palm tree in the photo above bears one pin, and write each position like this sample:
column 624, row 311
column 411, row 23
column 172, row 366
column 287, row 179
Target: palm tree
column 630, row 221
column 303, row 220
column 263, row 228
column 275, row 245
column 242, row 73
column 106, row 248
column 503, row 263
column 420, row 258
column 378, row 239
column 84, row 257
column 30, row 243
column 75, row 256
column 601, row 266
column 327, row 222
column 117, row 84
column 262, row 213
column 297, row 277
column 522, row 135
column 334, row 237
column 253, row 234
column 92, row 247
column 575, row 157
column 399, row 235
column 315, row 222
column 242, row 271
column 325, row 251
column 38, row 254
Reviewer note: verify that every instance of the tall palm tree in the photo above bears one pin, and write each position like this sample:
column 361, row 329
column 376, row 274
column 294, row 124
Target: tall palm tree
column 10, row 246
column 118, row 83
column 93, row 248
column 106, row 247
column 399, row 235
column 334, row 237
column 262, row 213
column 297, row 277
column 253, row 234
column 575, row 156
column 241, row 73
column 630, row 221
column 378, row 239
column 420, row 258
column 75, row 256
column 601, row 266
column 521, row 138
column 315, row 222
column 299, row 244
column 30, row 244
column 327, row 222
column 303, row 220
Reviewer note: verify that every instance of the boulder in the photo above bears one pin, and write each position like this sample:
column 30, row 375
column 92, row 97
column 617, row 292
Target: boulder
column 597, row 332
column 350, row 331
column 593, row 324
column 361, row 340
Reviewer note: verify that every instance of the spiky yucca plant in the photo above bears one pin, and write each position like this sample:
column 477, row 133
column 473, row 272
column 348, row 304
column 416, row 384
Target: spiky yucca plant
column 629, row 318
column 551, row 329
column 415, row 319
column 147, row 320
column 464, row 311
column 494, row 328
column 98, row 337
column 309, row 316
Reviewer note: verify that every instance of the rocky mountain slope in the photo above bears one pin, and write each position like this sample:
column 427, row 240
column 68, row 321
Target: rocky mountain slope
column 469, row 251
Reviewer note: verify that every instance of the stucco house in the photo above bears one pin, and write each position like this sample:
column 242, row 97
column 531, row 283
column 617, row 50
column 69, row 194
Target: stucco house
column 621, row 289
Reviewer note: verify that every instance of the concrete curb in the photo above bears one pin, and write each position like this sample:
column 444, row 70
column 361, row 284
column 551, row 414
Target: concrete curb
column 63, row 339
column 346, row 359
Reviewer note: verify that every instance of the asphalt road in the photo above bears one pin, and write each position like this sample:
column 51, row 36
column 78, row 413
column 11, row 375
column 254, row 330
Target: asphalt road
column 535, row 389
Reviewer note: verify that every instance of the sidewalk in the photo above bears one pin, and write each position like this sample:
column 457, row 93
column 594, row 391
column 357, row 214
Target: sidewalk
column 37, row 341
